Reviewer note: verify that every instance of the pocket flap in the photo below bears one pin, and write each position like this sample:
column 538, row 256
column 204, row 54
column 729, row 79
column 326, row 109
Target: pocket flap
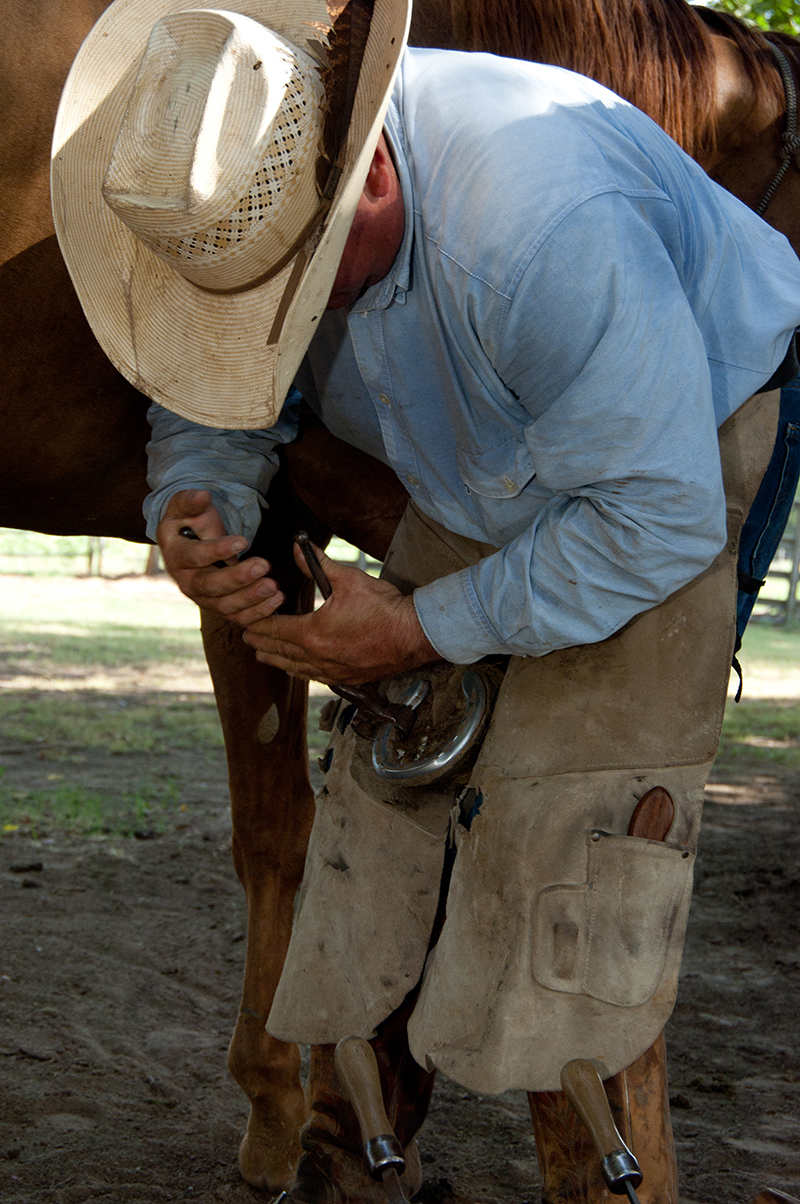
column 501, row 472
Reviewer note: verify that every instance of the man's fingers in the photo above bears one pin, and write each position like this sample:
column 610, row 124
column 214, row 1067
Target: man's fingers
column 204, row 561
column 280, row 636
column 246, row 581
column 184, row 552
column 252, row 605
column 194, row 509
column 280, row 641
column 198, row 557
column 291, row 661
column 253, row 613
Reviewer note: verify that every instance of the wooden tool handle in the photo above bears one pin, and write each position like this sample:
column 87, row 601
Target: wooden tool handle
column 581, row 1080
column 357, row 1069
column 653, row 815
column 584, row 1089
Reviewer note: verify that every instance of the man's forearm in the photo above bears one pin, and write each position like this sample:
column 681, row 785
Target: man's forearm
column 235, row 466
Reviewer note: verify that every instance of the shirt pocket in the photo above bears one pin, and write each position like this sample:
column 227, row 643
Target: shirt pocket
column 501, row 472
column 609, row 938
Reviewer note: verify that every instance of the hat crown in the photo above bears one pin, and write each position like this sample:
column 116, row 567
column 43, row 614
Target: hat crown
column 214, row 163
column 224, row 353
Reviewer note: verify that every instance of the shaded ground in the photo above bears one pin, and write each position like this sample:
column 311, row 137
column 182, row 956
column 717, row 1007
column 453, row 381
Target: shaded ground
column 121, row 961
column 120, row 964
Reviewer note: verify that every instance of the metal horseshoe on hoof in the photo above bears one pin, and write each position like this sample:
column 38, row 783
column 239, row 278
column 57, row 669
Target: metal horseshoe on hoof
column 434, row 766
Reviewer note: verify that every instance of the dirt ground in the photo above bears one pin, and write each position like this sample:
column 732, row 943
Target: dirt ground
column 120, row 964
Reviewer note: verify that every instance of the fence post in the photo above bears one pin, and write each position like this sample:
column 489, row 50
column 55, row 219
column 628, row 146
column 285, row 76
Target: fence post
column 96, row 546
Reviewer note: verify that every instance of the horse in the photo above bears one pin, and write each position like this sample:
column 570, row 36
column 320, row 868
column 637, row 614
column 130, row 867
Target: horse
column 73, row 458
column 74, row 462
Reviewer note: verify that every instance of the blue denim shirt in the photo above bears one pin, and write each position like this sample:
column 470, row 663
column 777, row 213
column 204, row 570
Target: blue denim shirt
column 574, row 310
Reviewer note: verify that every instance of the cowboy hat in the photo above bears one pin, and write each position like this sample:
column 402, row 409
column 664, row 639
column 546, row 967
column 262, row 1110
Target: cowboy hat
column 206, row 168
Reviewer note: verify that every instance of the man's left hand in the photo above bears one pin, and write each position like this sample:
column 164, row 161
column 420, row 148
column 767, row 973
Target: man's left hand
column 365, row 631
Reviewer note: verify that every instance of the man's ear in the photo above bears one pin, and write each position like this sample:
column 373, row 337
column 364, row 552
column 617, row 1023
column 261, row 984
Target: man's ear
column 381, row 175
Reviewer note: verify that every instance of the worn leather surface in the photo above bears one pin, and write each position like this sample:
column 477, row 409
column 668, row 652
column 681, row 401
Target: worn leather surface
column 562, row 935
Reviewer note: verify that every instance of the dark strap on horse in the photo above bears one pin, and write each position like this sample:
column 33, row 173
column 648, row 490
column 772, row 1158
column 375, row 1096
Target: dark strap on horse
column 789, row 139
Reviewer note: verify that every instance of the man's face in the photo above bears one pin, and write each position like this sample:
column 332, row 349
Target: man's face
column 375, row 235
column 361, row 262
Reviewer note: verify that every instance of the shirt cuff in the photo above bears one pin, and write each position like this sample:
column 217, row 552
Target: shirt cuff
column 454, row 620
column 240, row 514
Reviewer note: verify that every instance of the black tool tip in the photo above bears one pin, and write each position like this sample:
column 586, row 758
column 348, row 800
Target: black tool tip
column 630, row 1192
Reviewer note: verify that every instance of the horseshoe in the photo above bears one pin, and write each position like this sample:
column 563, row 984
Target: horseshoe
column 437, row 764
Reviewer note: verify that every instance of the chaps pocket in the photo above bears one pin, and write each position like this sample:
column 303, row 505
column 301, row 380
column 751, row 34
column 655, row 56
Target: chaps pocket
column 609, row 937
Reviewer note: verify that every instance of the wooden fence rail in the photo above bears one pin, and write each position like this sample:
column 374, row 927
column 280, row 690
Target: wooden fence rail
column 785, row 568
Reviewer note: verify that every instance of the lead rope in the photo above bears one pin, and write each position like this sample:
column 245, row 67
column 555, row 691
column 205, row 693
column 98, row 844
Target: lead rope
column 789, row 139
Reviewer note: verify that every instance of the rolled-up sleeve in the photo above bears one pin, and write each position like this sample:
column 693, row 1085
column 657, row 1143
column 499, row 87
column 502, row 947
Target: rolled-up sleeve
column 236, row 467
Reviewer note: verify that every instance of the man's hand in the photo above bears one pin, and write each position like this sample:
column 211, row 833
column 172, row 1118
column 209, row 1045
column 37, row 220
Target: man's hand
column 367, row 630
column 240, row 591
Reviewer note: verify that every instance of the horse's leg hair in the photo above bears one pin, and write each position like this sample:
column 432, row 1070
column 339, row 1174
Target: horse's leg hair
column 263, row 715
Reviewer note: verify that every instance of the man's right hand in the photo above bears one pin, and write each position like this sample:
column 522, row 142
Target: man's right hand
column 243, row 592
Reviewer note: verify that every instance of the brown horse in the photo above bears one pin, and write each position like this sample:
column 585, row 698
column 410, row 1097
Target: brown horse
column 709, row 80
column 75, row 431
column 73, row 462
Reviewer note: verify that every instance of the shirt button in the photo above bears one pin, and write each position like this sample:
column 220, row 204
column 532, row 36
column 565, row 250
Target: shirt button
column 383, row 398
column 509, row 485
column 412, row 480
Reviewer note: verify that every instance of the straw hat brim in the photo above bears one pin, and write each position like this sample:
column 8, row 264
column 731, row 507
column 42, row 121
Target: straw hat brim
column 206, row 356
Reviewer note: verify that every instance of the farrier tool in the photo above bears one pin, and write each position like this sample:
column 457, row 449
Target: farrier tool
column 357, row 1068
column 365, row 698
column 397, row 718
column 583, row 1086
column 582, row 1079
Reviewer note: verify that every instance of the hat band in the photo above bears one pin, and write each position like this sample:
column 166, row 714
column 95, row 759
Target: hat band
column 274, row 269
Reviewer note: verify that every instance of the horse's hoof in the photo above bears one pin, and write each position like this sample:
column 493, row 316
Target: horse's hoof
column 270, row 1150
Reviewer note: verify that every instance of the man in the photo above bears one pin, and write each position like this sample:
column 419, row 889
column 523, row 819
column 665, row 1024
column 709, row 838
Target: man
column 541, row 315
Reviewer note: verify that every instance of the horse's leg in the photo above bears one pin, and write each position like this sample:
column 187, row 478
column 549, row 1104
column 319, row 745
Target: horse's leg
column 264, row 723
column 263, row 715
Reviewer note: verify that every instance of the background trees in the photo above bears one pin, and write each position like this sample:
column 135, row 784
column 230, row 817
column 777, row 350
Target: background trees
column 783, row 15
